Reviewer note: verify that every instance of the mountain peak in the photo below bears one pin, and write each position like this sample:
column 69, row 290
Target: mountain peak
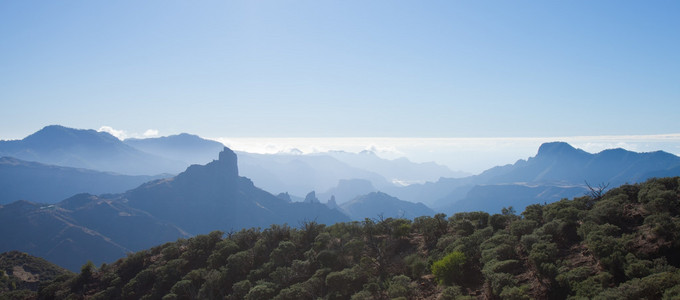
column 227, row 155
column 57, row 136
column 224, row 169
column 557, row 148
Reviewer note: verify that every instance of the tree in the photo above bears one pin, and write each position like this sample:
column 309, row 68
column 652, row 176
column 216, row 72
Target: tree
column 449, row 269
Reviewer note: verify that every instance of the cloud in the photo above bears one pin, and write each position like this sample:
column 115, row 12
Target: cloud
column 385, row 151
column 467, row 154
column 151, row 133
column 120, row 134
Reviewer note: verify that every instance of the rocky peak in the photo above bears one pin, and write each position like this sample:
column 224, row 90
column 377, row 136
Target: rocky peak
column 558, row 149
column 224, row 169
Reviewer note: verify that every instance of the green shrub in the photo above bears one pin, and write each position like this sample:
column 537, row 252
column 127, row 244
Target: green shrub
column 449, row 269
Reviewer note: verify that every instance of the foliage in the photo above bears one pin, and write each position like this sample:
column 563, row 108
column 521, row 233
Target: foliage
column 449, row 269
column 620, row 244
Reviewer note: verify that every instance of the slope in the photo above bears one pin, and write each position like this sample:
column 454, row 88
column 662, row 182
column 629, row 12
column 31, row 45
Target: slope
column 36, row 182
column 214, row 197
column 81, row 228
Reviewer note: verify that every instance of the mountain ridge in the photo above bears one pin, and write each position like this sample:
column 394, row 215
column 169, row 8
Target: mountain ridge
column 89, row 149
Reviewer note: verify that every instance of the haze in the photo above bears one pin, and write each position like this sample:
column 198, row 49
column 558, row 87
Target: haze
column 464, row 83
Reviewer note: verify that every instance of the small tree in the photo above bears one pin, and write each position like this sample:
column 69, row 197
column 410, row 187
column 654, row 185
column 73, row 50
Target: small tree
column 449, row 269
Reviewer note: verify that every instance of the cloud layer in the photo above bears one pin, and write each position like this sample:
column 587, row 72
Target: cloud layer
column 466, row 154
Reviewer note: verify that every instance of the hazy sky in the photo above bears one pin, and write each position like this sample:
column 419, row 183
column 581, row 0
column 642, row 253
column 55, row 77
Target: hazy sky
column 436, row 69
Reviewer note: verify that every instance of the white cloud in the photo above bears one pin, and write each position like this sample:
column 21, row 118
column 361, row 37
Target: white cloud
column 120, row 134
column 151, row 133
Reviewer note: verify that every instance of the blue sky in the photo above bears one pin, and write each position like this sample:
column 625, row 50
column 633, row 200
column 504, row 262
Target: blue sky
column 454, row 69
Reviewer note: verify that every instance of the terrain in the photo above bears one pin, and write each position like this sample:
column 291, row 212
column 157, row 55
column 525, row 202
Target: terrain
column 36, row 182
column 106, row 227
column 622, row 244
column 21, row 274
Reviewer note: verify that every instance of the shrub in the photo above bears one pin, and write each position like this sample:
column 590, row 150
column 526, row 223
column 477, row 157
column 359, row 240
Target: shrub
column 449, row 269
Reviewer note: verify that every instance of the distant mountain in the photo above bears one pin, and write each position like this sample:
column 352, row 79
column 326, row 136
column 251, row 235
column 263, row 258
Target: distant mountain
column 400, row 170
column 214, row 197
column 492, row 198
column 299, row 174
column 25, row 272
column 348, row 189
column 81, row 228
column 183, row 147
column 36, row 182
column 557, row 171
column 89, row 149
column 379, row 204
column 560, row 162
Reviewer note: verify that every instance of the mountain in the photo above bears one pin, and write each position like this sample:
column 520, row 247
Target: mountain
column 88, row 149
column 81, row 228
column 348, row 189
column 104, row 228
column 624, row 244
column 21, row 273
column 560, row 162
column 400, row 170
column 214, row 197
column 183, row 147
column 36, row 182
column 557, row 171
column 377, row 204
column 298, row 174
column 492, row 198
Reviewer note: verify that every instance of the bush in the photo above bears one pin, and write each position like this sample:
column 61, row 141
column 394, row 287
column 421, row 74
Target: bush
column 449, row 269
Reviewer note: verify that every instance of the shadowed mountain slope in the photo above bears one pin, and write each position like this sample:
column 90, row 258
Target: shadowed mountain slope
column 81, row 228
column 36, row 182
column 214, row 197
column 377, row 204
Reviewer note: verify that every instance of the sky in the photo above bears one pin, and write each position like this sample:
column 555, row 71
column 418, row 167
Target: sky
column 314, row 71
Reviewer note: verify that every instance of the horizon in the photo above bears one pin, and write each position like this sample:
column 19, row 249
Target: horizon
column 468, row 155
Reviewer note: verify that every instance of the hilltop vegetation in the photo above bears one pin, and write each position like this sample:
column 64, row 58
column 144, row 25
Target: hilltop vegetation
column 620, row 245
column 20, row 274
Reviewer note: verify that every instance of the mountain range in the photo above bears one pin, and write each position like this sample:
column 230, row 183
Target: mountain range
column 294, row 173
column 557, row 171
column 88, row 149
column 104, row 228
column 213, row 196
column 37, row 182
column 81, row 228
column 106, row 215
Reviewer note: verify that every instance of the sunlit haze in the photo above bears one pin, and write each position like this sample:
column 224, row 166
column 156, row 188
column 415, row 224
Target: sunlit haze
column 468, row 84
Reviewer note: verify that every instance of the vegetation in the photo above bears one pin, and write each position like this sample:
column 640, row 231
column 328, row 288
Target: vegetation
column 21, row 274
column 622, row 244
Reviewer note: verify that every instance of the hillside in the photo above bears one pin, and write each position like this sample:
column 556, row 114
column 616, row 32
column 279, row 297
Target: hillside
column 104, row 228
column 21, row 274
column 81, row 228
column 381, row 205
column 621, row 245
column 214, row 197
column 36, row 182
